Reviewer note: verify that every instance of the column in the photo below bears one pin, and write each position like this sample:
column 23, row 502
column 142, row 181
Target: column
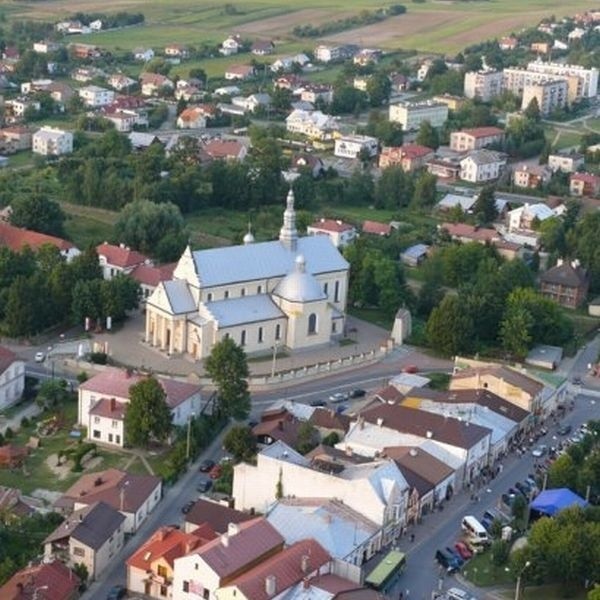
column 172, row 336
column 163, row 333
column 155, row 330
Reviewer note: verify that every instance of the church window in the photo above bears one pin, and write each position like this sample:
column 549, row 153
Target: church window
column 278, row 331
column 333, row 327
column 243, row 338
column 259, row 289
column 336, row 297
column 312, row 324
column 226, row 295
column 209, row 297
column 260, row 335
column 325, row 288
column 243, row 291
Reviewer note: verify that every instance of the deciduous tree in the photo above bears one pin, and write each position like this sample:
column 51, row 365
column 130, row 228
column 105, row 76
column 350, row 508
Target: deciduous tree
column 240, row 442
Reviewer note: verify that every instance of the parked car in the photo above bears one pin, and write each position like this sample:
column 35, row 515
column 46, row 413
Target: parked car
column 185, row 509
column 318, row 403
column 473, row 546
column 463, row 550
column 576, row 380
column 564, row 430
column 116, row 592
column 340, row 408
column 357, row 393
column 458, row 594
column 539, row 451
column 524, row 488
column 338, row 397
column 216, row 472
column 204, row 485
column 410, row 369
column 448, row 561
column 206, row 465
column 456, row 555
column 39, row 357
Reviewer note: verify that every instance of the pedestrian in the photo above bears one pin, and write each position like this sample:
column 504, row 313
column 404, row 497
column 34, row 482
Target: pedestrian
column 412, row 537
column 401, row 596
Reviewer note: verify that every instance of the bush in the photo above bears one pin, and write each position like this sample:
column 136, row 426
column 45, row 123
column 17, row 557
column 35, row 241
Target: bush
column 82, row 377
column 9, row 434
column 25, row 422
column 99, row 358
column 500, row 552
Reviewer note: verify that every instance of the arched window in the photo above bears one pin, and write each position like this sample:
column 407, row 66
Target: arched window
column 312, row 324
column 243, row 338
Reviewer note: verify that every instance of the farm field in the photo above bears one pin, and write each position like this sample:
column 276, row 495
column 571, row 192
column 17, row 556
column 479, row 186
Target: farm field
column 433, row 26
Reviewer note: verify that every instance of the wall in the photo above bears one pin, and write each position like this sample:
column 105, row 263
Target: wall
column 12, row 382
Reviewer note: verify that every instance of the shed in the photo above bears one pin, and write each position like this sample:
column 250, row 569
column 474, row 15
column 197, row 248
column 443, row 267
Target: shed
column 551, row 502
column 594, row 307
column 414, row 255
column 544, row 356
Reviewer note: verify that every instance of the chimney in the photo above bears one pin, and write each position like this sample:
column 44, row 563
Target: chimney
column 225, row 540
column 429, row 434
column 413, row 452
column 305, row 583
column 349, row 452
column 113, row 404
column 379, row 421
column 305, row 564
column 270, row 585
column 98, row 481
column 233, row 529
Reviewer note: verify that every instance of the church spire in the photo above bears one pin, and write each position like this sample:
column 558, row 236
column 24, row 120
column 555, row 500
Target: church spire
column 288, row 235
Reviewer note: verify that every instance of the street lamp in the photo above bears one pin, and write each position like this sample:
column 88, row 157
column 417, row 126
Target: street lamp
column 38, row 589
column 191, row 417
column 518, row 588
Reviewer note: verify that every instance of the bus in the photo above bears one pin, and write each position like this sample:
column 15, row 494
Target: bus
column 384, row 574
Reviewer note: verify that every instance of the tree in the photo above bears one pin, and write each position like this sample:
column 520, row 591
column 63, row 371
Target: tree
column 147, row 416
column 227, row 366
column 240, row 442
column 485, row 205
column 52, row 393
column 515, row 332
column 39, row 213
column 428, row 136
column 425, row 190
column 449, row 328
column 307, row 438
column 533, row 110
column 379, row 87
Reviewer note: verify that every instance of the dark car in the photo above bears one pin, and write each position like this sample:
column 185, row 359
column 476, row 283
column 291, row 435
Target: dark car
column 185, row 509
column 116, row 592
column 564, row 430
column 206, row 465
column 456, row 555
column 357, row 393
column 318, row 403
column 448, row 561
column 204, row 485
column 524, row 488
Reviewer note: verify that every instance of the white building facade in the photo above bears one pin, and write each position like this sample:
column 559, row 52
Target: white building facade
column 411, row 114
column 49, row 141
column 350, row 146
column 12, row 378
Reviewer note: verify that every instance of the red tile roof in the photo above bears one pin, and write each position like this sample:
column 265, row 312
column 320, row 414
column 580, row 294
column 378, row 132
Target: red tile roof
column 109, row 408
column 376, row 228
column 332, row 225
column 240, row 70
column 16, row 238
column 413, row 151
column 480, row 132
column 121, row 255
column 242, row 545
column 47, row 581
column 151, row 276
column 289, row 568
column 115, row 383
column 223, row 149
column 107, row 486
column 168, row 543
column 586, row 178
column 7, row 358
column 284, row 428
column 334, row 584
column 390, row 394
column 463, row 230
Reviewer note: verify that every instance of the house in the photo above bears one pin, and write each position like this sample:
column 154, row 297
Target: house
column 290, row 81
column 262, row 47
column 567, row 283
column 307, row 162
column 465, row 233
column 400, row 82
column 411, row 114
column 45, row 581
column 119, row 259
column 85, row 74
column 134, row 496
column 104, row 397
column 214, row 515
column 311, row 123
column 286, row 63
column 584, row 184
column 16, row 239
column 121, row 82
column 60, row 92
column 409, row 157
column 279, row 574
column 12, row 377
column 531, row 176
column 452, row 102
column 91, row 536
column 143, row 54
column 325, row 53
column 18, row 136
column 150, row 568
column 567, row 162
column 376, row 228
column 340, row 233
column 549, row 95
column 413, row 256
column 444, row 167
column 482, row 165
column 374, row 487
column 188, row 92
column 125, row 120
column 451, row 201
column 94, row 96
column 154, row 83
column 239, row 72
column 51, row 141
column 141, row 140
column 540, row 47
column 367, row 56
column 149, row 276
column 219, row 149
column 232, row 45
column 277, row 425
column 46, row 47
column 15, row 109
column 576, row 34
column 85, row 51
column 214, row 564
column 525, row 216
column 424, row 69
column 252, row 102
column 485, row 84
column 327, row 421
column 508, row 43
column 193, row 117
column 13, row 505
column 317, row 93
column 355, row 146
column 177, row 51
column 475, row 139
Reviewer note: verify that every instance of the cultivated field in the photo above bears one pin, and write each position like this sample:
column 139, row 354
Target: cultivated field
column 434, row 26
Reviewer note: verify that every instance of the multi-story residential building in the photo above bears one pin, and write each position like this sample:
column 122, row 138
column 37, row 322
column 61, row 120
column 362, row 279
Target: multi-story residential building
column 567, row 162
column 484, row 85
column 18, row 136
column 409, row 157
column 351, row 146
column 587, row 78
column 531, row 176
column 523, row 217
column 325, row 53
column 12, row 378
column 340, row 233
column 475, row 139
column 311, row 123
column 91, row 536
column 550, row 95
column 516, row 79
column 412, row 114
column 566, row 283
column 51, row 141
column 482, row 165
column 584, row 184
column 452, row 102
column 317, row 92
column 94, row 96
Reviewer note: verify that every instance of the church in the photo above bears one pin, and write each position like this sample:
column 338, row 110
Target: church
column 289, row 293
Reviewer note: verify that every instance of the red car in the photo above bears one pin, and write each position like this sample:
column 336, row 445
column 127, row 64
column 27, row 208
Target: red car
column 215, row 472
column 410, row 369
column 463, row 550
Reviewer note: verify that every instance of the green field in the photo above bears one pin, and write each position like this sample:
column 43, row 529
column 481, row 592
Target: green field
column 438, row 26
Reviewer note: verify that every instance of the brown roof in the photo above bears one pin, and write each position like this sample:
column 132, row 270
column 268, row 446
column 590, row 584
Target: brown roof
column 118, row 489
column 417, row 462
column 520, row 380
column 7, row 358
column 151, row 275
column 390, row 394
column 586, row 178
column 426, row 425
column 289, row 567
column 115, row 383
column 16, row 238
column 326, row 418
column 46, row 581
column 481, row 132
column 283, row 427
column 223, row 148
column 376, row 228
column 480, row 234
column 243, row 544
column 323, row 455
column 168, row 543
column 121, row 255
column 215, row 515
column 566, row 274
column 332, row 225
column 490, row 400
column 240, row 69
column 109, row 408
column 410, row 151
column 334, row 584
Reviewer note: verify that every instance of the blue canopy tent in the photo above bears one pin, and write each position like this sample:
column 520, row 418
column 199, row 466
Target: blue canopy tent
column 551, row 502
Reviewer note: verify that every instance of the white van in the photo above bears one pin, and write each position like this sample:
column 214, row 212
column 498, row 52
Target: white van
column 475, row 530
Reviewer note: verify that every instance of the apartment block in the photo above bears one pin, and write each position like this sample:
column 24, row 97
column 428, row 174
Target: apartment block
column 411, row 114
column 550, row 95
column 484, row 85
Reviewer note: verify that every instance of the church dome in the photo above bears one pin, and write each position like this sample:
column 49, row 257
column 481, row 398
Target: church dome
column 249, row 238
column 299, row 286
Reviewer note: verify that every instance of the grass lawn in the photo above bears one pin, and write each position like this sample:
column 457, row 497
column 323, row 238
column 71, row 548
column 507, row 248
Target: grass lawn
column 482, row 572
column 21, row 159
column 372, row 315
column 561, row 138
column 593, row 124
column 87, row 225
column 547, row 592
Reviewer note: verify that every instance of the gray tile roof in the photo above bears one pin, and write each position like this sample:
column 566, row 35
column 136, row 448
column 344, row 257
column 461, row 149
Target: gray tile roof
column 179, row 296
column 247, row 309
column 232, row 264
